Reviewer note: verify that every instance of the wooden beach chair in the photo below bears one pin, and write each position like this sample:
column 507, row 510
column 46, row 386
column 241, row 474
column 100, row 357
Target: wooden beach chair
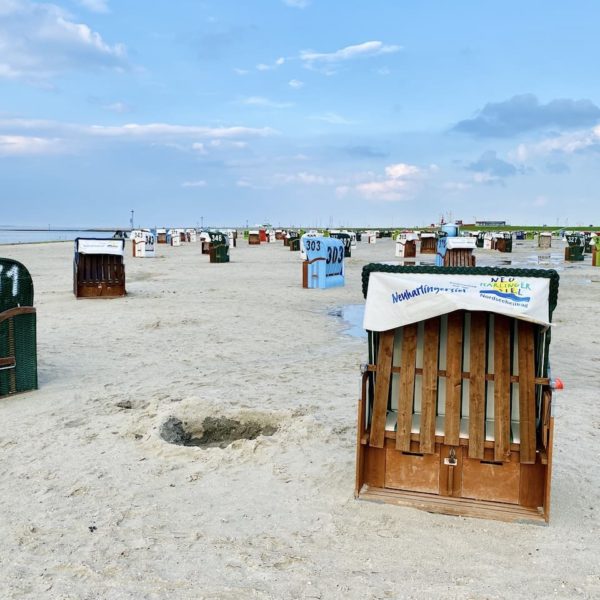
column 254, row 237
column 18, row 353
column 143, row 244
column 98, row 268
column 428, row 243
column 406, row 245
column 504, row 242
column 205, row 241
column 545, row 240
column 456, row 408
column 455, row 251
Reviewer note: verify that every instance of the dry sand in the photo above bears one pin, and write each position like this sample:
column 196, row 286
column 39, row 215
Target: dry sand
column 95, row 505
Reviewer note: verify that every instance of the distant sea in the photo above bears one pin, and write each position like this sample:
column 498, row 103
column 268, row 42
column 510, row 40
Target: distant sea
column 14, row 236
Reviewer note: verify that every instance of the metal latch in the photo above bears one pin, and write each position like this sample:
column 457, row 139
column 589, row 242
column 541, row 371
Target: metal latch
column 451, row 461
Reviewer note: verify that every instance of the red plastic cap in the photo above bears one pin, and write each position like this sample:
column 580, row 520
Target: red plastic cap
column 558, row 384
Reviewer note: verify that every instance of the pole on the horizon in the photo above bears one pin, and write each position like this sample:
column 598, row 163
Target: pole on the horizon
column 131, row 219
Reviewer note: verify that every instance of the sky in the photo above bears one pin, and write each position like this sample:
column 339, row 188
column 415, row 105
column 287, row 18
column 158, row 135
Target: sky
column 298, row 112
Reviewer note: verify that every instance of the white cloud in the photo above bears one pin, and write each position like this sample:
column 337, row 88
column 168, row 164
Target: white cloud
column 134, row 130
column 364, row 50
column 456, row 186
column 303, row 178
column 194, row 184
column 19, row 145
column 240, row 71
column 117, row 107
column 244, row 183
column 150, row 132
column 264, row 102
column 401, row 170
column 332, row 118
column 400, row 179
column 271, row 67
column 297, row 3
column 199, row 147
column 389, row 189
column 39, row 41
column 486, row 178
column 226, row 144
column 567, row 143
column 97, row 6
column 383, row 71
column 296, row 84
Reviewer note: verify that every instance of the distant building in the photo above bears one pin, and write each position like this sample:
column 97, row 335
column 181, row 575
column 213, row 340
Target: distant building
column 490, row 223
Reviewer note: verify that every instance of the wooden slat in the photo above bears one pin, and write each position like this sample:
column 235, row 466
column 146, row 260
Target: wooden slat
column 407, row 387
column 502, row 327
column 439, row 439
column 531, row 485
column 527, row 391
column 465, row 375
column 374, row 466
column 382, row 387
column 429, row 387
column 360, row 428
column 549, row 471
column 453, row 378
column 477, row 386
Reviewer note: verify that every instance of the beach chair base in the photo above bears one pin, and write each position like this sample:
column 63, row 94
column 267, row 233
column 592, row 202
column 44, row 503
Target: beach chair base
column 98, row 276
column 100, row 290
column 459, row 507
column 485, row 489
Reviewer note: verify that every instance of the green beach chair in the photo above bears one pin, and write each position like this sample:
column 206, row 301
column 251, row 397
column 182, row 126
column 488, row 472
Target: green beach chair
column 18, row 353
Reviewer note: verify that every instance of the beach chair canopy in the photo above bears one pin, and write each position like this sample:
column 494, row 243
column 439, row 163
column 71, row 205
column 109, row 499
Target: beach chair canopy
column 399, row 296
column 100, row 246
column 218, row 237
column 575, row 239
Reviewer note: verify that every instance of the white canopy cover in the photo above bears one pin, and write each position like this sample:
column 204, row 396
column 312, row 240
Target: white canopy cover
column 460, row 243
column 98, row 246
column 398, row 299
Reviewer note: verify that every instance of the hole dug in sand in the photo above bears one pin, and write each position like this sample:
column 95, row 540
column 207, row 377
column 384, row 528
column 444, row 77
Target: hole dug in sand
column 215, row 432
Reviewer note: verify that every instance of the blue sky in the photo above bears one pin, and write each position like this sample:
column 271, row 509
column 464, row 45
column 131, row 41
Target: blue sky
column 311, row 112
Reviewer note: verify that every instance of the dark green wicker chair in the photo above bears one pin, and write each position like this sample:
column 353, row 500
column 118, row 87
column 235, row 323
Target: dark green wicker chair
column 219, row 247
column 18, row 354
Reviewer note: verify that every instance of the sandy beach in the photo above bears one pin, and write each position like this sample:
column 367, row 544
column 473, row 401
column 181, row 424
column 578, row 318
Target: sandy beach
column 95, row 504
